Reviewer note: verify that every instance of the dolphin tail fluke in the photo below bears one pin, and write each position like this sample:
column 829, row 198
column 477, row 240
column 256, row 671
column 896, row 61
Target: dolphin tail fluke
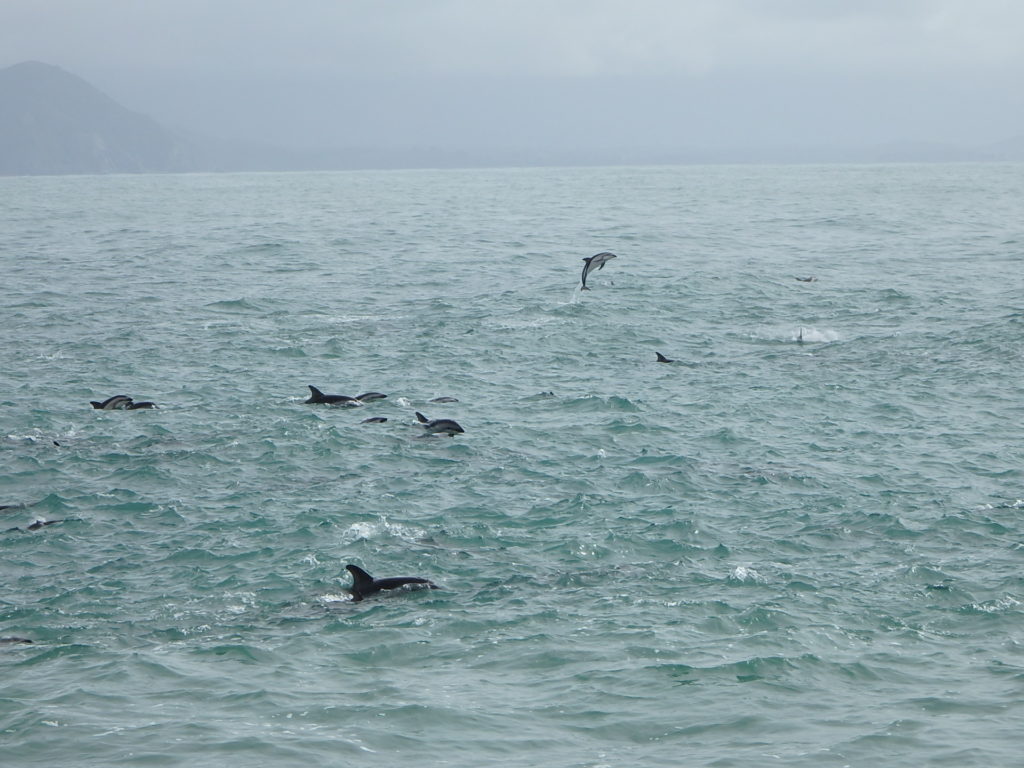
column 421, row 418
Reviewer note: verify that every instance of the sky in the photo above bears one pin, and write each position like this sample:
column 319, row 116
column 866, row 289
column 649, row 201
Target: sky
column 545, row 75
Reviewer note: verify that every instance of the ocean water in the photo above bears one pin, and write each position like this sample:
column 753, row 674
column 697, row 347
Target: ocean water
column 799, row 544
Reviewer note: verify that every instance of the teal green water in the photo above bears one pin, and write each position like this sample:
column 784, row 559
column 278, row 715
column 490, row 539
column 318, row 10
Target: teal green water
column 769, row 552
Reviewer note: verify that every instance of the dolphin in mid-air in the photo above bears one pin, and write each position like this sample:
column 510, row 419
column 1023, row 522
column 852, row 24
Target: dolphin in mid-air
column 597, row 260
column 316, row 396
column 364, row 585
column 439, row 426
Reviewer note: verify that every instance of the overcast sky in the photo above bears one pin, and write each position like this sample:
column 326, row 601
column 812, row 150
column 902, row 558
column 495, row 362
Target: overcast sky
column 545, row 73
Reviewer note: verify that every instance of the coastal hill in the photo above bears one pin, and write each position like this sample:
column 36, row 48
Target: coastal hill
column 52, row 122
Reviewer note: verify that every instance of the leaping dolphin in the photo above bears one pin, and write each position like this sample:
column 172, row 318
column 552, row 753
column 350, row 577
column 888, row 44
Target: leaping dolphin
column 439, row 426
column 364, row 585
column 597, row 260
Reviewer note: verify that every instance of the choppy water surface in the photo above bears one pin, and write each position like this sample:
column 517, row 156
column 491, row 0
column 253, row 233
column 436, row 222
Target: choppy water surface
column 799, row 544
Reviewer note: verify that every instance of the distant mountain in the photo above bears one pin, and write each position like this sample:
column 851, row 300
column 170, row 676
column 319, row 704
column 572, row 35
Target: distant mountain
column 52, row 122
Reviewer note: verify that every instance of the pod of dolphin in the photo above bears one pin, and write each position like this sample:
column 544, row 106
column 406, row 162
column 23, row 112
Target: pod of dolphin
column 363, row 584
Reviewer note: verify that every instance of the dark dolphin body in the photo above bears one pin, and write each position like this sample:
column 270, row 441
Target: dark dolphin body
column 121, row 403
column 374, row 420
column 115, row 403
column 445, row 399
column 37, row 524
column 316, row 396
column 662, row 358
column 439, row 426
column 15, row 641
column 597, row 260
column 364, row 585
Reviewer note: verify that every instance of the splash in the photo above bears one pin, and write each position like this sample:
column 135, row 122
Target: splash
column 811, row 335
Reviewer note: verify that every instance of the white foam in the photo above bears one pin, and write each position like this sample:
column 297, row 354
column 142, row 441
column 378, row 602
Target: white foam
column 746, row 575
column 378, row 528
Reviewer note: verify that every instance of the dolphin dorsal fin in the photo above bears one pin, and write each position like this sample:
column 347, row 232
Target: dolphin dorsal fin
column 421, row 418
column 360, row 578
column 316, row 393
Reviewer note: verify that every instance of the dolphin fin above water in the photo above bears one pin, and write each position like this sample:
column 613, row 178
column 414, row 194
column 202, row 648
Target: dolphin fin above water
column 364, row 585
column 439, row 426
column 662, row 358
column 316, row 396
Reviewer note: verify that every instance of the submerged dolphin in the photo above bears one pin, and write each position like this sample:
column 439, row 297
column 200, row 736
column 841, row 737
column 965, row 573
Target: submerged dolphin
column 37, row 524
column 121, row 403
column 364, row 585
column 374, row 420
column 316, row 396
column 662, row 358
column 597, row 260
column 439, row 426
column 368, row 397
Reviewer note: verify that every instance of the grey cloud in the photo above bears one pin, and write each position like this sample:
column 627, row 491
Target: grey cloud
column 651, row 73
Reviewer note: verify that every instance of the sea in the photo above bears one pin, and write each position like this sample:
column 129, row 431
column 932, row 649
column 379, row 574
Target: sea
column 800, row 543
